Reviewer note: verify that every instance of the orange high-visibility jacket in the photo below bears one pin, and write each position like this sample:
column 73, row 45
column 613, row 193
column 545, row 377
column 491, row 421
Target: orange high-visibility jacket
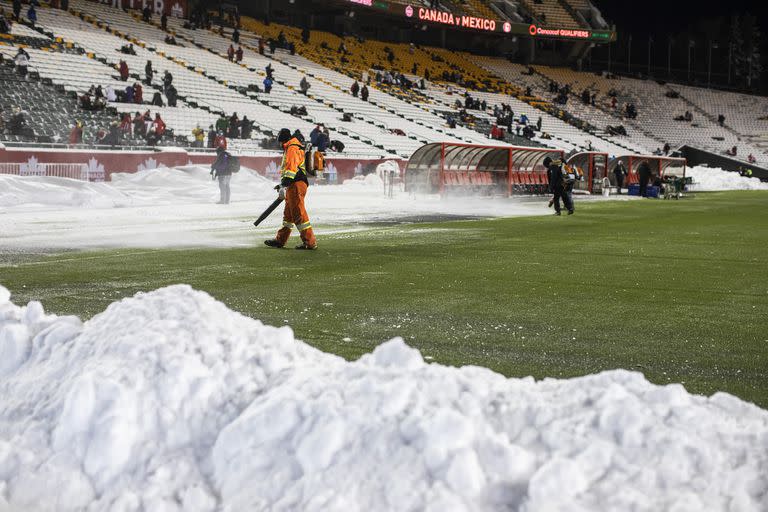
column 292, row 168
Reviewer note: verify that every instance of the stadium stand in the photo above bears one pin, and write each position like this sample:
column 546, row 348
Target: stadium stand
column 73, row 51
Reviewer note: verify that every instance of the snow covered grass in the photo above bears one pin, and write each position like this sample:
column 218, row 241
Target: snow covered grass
column 170, row 401
column 673, row 289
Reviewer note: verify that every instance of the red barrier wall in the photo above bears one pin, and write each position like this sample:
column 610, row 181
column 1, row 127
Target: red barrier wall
column 110, row 162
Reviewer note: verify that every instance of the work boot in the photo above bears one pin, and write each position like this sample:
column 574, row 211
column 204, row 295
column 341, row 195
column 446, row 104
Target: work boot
column 305, row 247
column 557, row 213
column 273, row 243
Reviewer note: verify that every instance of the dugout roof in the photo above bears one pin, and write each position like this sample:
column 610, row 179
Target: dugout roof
column 472, row 157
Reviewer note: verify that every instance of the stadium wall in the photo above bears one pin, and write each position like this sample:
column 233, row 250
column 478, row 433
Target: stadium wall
column 105, row 162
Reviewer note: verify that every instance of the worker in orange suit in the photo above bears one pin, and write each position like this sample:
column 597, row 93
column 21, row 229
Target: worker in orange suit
column 293, row 188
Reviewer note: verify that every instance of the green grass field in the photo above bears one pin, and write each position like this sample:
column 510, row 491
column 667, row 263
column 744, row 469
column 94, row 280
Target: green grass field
column 676, row 290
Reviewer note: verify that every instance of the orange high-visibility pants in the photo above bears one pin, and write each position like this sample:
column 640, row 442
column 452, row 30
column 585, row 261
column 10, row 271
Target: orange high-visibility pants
column 296, row 215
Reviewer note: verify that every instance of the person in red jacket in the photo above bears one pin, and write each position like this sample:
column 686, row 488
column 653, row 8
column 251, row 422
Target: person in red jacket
column 123, row 71
column 230, row 53
column 220, row 141
column 138, row 93
column 293, row 188
column 159, row 126
column 125, row 124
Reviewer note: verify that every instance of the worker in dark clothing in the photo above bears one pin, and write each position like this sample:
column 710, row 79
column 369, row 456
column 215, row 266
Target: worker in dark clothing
column 619, row 172
column 221, row 170
column 557, row 184
column 644, row 175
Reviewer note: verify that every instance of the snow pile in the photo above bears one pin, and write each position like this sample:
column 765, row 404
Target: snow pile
column 169, row 401
column 177, row 185
column 708, row 179
column 57, row 192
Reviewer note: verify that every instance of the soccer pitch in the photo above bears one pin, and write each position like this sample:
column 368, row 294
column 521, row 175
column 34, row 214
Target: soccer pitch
column 677, row 290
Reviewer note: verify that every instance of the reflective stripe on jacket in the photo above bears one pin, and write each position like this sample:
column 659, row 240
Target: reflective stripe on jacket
column 293, row 166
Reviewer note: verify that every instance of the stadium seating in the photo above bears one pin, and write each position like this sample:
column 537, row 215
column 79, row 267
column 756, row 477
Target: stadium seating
column 83, row 50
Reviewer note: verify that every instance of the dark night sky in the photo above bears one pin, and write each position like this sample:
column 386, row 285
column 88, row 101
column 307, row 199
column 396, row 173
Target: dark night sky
column 675, row 15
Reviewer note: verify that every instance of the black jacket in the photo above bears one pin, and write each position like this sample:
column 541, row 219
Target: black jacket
column 221, row 166
column 555, row 174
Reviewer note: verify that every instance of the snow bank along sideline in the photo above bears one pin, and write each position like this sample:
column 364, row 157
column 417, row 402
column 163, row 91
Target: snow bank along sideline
column 170, row 401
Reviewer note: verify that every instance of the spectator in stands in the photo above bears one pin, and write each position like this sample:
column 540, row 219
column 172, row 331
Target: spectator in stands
column 721, row 120
column 17, row 124
column 239, row 55
column 688, row 116
column 666, row 148
column 85, row 102
column 619, row 173
column 139, row 126
column 123, row 68
column 128, row 49
column 157, row 99
column 17, row 10
column 198, row 136
column 158, row 127
column 304, row 85
column 305, row 35
column 337, row 146
column 267, row 85
column 172, row 96
column 125, row 124
column 164, row 22
column 146, row 14
column 220, row 141
column 246, row 127
column 281, row 39
column 149, row 73
column 111, row 94
column 138, row 93
column 222, row 124
column 751, row 158
column 22, row 62
column 364, row 93
column 644, row 175
column 342, row 49
column 211, row 137
column 614, row 102
column 538, row 124
column 171, row 40
column 236, row 36
column 269, row 70
column 233, row 131
column 732, row 152
column 128, row 94
column 355, row 89
column 167, row 80
column 5, row 25
column 76, row 133
column 32, row 15
column 261, row 46
column 524, row 119
column 231, row 53
column 272, row 46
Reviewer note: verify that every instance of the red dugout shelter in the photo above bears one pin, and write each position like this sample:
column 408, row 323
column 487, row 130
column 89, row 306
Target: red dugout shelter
column 594, row 165
column 470, row 168
column 660, row 165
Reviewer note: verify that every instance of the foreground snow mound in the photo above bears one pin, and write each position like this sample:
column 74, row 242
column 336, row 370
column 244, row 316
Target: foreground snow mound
column 709, row 179
column 170, row 401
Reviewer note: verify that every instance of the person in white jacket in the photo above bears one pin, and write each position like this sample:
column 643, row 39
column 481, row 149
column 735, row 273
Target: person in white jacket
column 22, row 62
